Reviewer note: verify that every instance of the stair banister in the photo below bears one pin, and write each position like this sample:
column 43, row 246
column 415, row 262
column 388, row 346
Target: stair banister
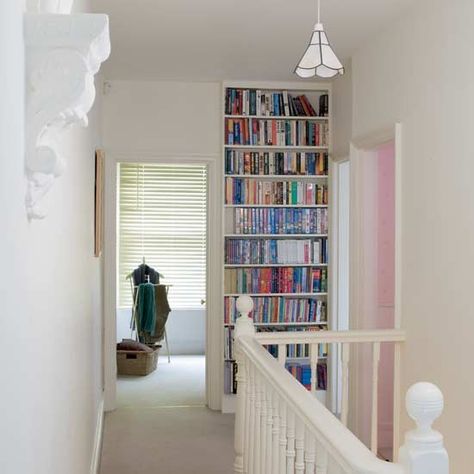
column 423, row 451
column 282, row 428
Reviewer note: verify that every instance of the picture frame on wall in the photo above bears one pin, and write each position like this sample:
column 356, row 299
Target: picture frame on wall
column 98, row 202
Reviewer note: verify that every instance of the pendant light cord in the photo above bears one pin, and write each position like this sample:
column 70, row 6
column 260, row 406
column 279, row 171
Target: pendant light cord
column 319, row 11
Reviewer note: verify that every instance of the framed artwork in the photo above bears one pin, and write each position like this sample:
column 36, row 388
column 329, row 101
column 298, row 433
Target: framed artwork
column 98, row 202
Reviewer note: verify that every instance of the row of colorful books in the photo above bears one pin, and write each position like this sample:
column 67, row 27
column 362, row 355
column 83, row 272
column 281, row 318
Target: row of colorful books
column 302, row 373
column 292, row 351
column 275, row 163
column 279, row 309
column 268, row 132
column 298, row 351
column 280, row 221
column 300, row 370
column 230, row 377
column 252, row 191
column 258, row 102
column 276, row 251
column 275, row 280
column 229, row 343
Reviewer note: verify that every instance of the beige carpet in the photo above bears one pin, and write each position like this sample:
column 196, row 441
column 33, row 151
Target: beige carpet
column 161, row 425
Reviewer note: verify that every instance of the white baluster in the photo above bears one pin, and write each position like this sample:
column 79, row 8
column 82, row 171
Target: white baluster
column 244, row 326
column 309, row 453
column 313, row 354
column 423, row 451
column 290, row 435
column 240, row 416
column 345, row 382
column 249, row 446
column 282, row 354
column 375, row 404
column 275, row 432
column 283, row 439
column 246, row 427
column 396, row 400
column 257, row 436
column 321, row 459
column 299, row 445
column 269, row 428
column 263, row 429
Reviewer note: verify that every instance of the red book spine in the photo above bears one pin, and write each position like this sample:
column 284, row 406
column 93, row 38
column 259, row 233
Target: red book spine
column 303, row 103
column 274, row 133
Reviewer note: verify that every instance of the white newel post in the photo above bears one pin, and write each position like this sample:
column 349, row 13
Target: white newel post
column 423, row 451
column 244, row 327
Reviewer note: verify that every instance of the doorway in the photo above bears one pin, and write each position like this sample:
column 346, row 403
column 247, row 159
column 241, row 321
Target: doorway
column 375, row 255
column 192, row 326
column 162, row 247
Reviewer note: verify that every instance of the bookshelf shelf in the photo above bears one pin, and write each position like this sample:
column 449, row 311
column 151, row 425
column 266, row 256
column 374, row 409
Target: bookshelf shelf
column 309, row 206
column 278, row 176
column 277, row 147
column 291, row 359
column 296, row 113
column 322, row 323
column 274, row 236
column 273, row 265
column 293, row 295
column 280, row 117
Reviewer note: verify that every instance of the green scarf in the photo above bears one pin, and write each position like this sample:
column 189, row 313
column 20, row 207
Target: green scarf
column 146, row 308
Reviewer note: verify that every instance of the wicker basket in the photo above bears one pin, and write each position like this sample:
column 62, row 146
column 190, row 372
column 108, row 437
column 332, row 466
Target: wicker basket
column 137, row 362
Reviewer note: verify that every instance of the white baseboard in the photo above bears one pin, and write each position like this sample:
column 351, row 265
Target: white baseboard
column 99, row 430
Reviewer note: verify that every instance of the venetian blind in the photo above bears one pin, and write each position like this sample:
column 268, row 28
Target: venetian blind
column 162, row 217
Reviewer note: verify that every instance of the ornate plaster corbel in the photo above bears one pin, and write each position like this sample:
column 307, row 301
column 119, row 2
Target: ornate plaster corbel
column 63, row 53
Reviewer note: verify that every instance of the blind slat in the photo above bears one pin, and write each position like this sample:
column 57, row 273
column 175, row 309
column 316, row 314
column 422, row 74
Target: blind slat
column 162, row 216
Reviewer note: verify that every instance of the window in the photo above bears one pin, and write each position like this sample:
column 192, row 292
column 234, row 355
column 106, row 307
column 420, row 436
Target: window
column 162, row 217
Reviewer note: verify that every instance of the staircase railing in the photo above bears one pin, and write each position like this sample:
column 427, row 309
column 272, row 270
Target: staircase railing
column 281, row 428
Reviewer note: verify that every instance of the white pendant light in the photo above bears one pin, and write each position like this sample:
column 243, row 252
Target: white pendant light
column 319, row 59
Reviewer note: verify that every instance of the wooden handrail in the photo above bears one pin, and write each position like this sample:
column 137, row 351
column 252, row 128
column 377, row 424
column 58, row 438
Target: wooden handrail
column 340, row 443
column 321, row 337
column 281, row 427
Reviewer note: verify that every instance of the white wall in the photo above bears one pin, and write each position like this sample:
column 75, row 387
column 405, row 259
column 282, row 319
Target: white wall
column 50, row 336
column 165, row 117
column 149, row 121
column 421, row 72
column 342, row 112
column 175, row 118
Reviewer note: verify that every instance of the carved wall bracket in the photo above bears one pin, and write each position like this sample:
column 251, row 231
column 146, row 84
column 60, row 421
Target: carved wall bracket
column 63, row 54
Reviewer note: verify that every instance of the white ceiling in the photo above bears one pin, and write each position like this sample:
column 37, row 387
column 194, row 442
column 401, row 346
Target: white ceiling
column 202, row 40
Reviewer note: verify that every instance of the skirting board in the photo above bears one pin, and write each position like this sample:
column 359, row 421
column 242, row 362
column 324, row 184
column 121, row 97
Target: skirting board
column 99, row 431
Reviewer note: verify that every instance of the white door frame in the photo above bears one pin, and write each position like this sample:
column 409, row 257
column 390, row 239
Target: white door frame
column 361, row 147
column 213, row 317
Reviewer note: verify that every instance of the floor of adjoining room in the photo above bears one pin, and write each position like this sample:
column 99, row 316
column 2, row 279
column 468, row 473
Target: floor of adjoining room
column 161, row 424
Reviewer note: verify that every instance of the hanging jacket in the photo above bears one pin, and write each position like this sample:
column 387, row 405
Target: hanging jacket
column 162, row 310
column 141, row 273
column 146, row 309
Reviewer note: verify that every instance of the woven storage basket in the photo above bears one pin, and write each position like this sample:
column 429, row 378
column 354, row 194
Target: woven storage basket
column 137, row 362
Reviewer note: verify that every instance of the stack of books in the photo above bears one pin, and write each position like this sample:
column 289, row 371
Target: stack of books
column 275, row 163
column 268, row 103
column 274, row 251
column 274, row 132
column 275, row 280
column 280, row 221
column 230, row 379
column 279, row 310
column 302, row 373
column 252, row 191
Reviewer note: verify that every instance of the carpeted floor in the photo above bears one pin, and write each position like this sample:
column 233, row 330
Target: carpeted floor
column 162, row 426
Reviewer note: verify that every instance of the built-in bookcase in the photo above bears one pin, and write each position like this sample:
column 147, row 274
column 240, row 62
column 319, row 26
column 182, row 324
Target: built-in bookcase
column 276, row 210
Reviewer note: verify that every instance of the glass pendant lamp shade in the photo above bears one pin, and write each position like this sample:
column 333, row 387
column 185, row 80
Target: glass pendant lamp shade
column 319, row 58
